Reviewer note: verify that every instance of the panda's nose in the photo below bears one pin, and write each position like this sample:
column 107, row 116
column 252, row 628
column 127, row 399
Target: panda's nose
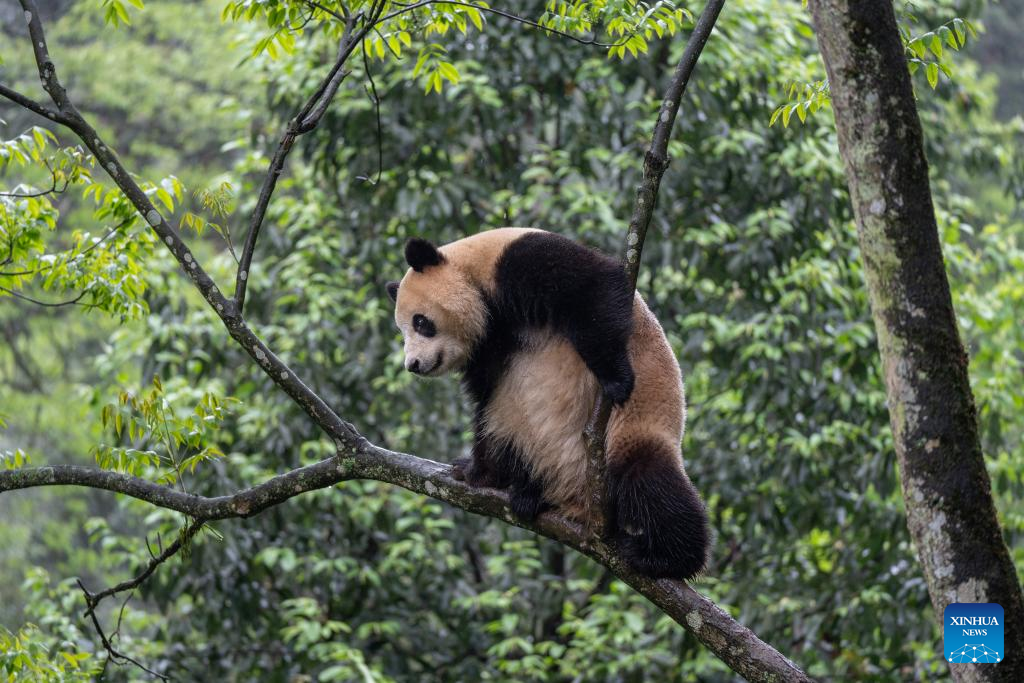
column 414, row 366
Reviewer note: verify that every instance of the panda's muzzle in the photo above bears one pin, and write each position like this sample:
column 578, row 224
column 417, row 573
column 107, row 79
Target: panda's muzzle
column 419, row 369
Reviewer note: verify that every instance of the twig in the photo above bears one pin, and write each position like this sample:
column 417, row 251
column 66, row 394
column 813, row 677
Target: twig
column 58, row 304
column 328, row 10
column 372, row 92
column 120, row 615
column 93, row 600
column 53, row 189
column 507, row 15
column 113, row 654
column 77, row 256
column 169, row 552
column 655, row 162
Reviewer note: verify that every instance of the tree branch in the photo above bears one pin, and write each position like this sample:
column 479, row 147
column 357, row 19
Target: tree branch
column 40, row 193
column 94, row 599
column 37, row 302
column 306, row 119
column 732, row 642
column 32, row 105
column 113, row 655
column 225, row 308
column 655, row 163
column 80, row 254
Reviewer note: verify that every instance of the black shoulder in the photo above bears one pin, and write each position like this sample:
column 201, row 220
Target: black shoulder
column 543, row 279
column 545, row 259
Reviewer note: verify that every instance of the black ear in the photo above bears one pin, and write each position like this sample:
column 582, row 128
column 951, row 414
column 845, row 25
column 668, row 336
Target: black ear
column 420, row 254
column 392, row 288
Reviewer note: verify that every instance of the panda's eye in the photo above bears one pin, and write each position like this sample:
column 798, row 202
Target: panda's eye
column 423, row 325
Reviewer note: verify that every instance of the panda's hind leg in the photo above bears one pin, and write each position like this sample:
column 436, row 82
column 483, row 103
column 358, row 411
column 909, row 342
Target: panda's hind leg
column 526, row 499
column 657, row 519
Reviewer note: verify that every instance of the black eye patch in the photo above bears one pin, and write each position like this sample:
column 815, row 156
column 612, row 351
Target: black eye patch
column 421, row 324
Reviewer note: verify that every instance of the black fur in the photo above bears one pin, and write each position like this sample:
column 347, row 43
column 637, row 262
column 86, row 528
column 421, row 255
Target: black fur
column 545, row 279
column 420, row 254
column 392, row 288
column 657, row 519
column 502, row 466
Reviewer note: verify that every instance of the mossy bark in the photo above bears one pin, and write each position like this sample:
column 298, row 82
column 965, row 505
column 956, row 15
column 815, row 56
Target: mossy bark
column 946, row 489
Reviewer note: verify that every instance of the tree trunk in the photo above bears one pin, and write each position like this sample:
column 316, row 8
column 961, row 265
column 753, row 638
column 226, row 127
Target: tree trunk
column 946, row 488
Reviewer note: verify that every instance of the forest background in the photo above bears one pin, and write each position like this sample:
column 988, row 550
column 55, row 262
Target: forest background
column 752, row 266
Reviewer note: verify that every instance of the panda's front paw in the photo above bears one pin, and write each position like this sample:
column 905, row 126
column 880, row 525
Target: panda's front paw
column 467, row 469
column 460, row 466
column 620, row 388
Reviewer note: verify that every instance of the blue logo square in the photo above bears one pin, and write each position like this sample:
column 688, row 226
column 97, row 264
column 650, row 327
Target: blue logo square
column 972, row 633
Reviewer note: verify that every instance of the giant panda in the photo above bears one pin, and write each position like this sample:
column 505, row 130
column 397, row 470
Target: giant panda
column 536, row 324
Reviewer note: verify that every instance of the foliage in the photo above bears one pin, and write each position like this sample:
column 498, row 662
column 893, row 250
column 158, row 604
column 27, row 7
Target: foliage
column 930, row 50
column 32, row 654
column 752, row 266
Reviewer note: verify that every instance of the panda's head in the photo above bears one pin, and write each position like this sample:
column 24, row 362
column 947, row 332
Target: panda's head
column 437, row 308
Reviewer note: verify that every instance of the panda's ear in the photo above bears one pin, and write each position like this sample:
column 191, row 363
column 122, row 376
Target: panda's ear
column 420, row 254
column 392, row 288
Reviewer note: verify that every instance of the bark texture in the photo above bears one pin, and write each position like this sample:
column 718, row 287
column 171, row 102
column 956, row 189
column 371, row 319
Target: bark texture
column 946, row 489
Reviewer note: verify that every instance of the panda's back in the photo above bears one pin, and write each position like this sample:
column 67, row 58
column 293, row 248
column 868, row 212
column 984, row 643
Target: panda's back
column 478, row 255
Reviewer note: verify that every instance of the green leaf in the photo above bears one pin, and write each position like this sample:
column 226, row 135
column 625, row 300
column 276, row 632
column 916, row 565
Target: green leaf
column 449, row 71
column 787, row 111
column 122, row 13
column 165, row 197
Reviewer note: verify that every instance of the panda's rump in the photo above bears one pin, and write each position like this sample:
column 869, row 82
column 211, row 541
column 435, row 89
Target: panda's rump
column 541, row 405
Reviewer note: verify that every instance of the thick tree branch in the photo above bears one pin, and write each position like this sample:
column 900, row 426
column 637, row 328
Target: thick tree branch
column 736, row 645
column 946, row 489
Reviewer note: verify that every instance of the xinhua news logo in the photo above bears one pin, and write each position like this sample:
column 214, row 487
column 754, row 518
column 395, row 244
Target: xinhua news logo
column 972, row 633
